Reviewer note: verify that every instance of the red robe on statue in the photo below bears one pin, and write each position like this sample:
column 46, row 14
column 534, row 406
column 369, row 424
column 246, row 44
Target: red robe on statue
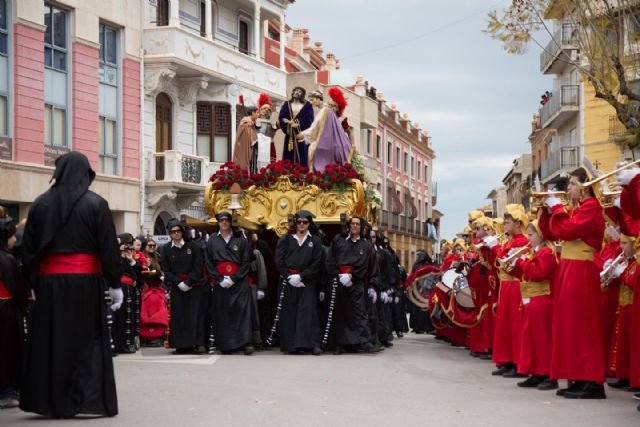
column 508, row 322
column 536, row 274
column 577, row 348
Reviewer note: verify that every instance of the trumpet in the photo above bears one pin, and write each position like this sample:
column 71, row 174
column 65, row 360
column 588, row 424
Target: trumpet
column 504, row 263
column 606, row 275
column 537, row 198
column 478, row 246
column 608, row 198
column 610, row 174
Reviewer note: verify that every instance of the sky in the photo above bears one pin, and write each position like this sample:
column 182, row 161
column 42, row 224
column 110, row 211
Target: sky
column 476, row 100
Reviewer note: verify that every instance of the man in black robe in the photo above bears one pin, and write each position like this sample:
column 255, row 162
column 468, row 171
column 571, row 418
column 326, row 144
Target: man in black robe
column 181, row 263
column 419, row 320
column 228, row 258
column 387, row 290
column 69, row 243
column 299, row 259
column 353, row 260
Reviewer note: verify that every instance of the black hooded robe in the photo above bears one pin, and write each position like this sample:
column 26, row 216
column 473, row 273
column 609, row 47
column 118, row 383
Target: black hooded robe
column 69, row 369
column 232, row 307
column 420, row 320
column 299, row 326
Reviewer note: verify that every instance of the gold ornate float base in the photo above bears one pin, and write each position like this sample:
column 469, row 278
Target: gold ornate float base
column 270, row 207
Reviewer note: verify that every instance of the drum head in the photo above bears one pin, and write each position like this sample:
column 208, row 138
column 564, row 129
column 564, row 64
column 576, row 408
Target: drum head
column 464, row 298
column 449, row 278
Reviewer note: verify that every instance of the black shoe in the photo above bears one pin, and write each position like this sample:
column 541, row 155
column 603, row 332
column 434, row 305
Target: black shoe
column 548, row 384
column 370, row 348
column 589, row 390
column 338, row 351
column 399, row 334
column 388, row 344
column 474, row 354
column 513, row 373
column 457, row 345
column 532, row 382
column 575, row 386
column 316, row 351
column 485, row 356
column 619, row 384
column 636, row 396
column 200, row 350
column 502, row 369
column 248, row 350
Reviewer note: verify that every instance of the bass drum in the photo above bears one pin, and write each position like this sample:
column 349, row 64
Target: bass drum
column 457, row 282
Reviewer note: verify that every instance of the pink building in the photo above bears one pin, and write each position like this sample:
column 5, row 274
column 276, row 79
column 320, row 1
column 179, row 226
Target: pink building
column 70, row 80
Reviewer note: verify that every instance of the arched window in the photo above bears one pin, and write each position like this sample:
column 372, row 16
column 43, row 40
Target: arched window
column 163, row 123
column 243, row 37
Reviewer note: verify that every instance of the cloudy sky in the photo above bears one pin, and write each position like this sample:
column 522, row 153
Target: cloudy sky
column 476, row 100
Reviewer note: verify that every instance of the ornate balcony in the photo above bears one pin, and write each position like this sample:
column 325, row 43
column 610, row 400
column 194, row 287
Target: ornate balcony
column 173, row 174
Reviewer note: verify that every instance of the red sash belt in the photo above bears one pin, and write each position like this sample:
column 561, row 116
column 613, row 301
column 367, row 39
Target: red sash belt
column 183, row 276
column 227, row 268
column 70, row 264
column 294, row 271
column 4, row 292
column 126, row 280
column 345, row 269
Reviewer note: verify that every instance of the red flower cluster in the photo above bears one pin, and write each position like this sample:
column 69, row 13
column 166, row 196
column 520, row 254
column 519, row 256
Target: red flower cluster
column 334, row 176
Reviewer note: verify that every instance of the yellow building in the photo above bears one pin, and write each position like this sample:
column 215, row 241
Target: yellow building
column 600, row 125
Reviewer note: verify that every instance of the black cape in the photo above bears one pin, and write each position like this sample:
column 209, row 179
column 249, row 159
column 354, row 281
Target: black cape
column 11, row 318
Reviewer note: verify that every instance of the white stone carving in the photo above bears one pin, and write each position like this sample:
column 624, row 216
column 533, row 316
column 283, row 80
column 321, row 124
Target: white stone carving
column 193, row 52
column 157, row 78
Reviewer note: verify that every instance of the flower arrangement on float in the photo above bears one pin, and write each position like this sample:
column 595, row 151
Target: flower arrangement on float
column 334, row 177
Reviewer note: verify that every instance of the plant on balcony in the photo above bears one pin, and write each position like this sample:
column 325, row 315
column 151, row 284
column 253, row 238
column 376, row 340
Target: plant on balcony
column 607, row 35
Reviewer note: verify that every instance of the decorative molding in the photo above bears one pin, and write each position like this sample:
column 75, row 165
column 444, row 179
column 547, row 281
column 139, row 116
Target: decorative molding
column 234, row 64
column 190, row 88
column 160, row 41
column 193, row 52
column 161, row 199
column 158, row 78
column 275, row 82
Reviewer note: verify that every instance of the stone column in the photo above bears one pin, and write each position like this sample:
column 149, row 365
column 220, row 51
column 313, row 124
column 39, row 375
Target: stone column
column 256, row 30
column 209, row 25
column 174, row 13
column 283, row 40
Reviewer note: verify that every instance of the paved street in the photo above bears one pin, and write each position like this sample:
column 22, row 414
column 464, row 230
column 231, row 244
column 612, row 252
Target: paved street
column 419, row 382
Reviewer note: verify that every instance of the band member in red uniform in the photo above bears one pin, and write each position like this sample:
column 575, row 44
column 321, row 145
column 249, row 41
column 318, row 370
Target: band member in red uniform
column 630, row 197
column 536, row 272
column 624, row 269
column 69, row 246
column 508, row 321
column 577, row 350
column 454, row 334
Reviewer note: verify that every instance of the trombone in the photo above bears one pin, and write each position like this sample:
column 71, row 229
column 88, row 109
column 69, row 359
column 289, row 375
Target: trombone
column 478, row 246
column 607, row 199
column 610, row 174
column 537, row 198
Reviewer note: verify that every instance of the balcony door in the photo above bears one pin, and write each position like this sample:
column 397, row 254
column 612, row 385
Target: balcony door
column 163, row 123
column 243, row 44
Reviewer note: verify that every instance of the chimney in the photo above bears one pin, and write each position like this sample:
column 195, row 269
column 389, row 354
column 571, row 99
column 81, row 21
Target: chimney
column 331, row 62
column 361, row 86
column 296, row 42
column 415, row 130
column 404, row 121
column 305, row 39
column 318, row 48
column 380, row 96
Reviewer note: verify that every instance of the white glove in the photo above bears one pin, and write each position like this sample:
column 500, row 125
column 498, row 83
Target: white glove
column 226, row 282
column 618, row 270
column 607, row 264
column 299, row 285
column 624, row 177
column 184, row 287
column 616, row 202
column 33, row 294
column 396, row 300
column 260, row 295
column 491, row 241
column 294, row 280
column 384, row 297
column 345, row 279
column 321, row 296
column 116, row 298
column 372, row 295
column 552, row 201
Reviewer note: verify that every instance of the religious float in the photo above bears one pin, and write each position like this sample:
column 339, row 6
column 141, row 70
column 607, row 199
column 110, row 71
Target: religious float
column 268, row 199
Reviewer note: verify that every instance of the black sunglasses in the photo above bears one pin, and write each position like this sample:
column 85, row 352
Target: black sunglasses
column 303, row 221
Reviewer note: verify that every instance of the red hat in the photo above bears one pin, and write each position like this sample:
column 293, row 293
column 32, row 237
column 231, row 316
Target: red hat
column 338, row 97
column 264, row 99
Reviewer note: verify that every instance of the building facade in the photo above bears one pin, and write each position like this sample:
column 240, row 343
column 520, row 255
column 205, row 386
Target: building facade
column 204, row 60
column 70, row 78
column 518, row 181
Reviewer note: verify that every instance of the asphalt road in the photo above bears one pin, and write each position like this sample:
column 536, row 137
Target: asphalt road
column 418, row 382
